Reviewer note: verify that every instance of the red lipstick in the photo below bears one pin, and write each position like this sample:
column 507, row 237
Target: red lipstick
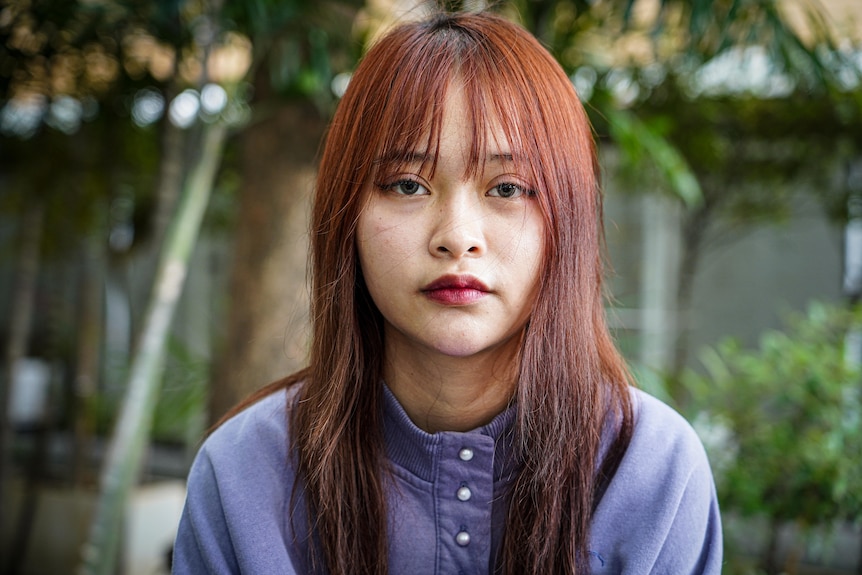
column 455, row 290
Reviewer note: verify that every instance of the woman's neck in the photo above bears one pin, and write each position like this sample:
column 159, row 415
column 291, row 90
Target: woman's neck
column 441, row 393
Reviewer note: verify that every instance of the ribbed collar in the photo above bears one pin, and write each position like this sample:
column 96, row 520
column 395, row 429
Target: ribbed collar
column 417, row 451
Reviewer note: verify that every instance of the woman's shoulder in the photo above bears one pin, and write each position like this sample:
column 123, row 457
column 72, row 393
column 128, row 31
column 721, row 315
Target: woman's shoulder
column 660, row 511
column 665, row 452
column 661, row 430
column 262, row 427
column 243, row 472
column 237, row 516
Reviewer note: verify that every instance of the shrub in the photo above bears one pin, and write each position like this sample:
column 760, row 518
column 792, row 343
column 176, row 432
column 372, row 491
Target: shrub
column 783, row 423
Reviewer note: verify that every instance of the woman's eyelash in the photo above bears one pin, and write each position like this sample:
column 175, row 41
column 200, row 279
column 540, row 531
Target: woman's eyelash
column 512, row 190
column 407, row 187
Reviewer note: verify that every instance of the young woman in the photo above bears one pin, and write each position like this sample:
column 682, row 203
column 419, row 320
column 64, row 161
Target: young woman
column 464, row 409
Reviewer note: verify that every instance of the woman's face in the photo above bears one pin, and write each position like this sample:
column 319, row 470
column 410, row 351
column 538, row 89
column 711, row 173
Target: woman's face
column 452, row 261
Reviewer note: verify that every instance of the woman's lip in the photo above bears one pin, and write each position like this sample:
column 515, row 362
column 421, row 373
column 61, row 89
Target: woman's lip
column 455, row 290
column 456, row 282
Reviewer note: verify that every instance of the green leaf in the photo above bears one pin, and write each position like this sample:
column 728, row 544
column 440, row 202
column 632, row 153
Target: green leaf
column 640, row 141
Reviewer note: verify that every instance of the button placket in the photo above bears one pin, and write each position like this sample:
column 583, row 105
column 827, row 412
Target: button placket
column 465, row 484
column 463, row 494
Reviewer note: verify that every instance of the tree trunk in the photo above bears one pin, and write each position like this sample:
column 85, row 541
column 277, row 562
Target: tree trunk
column 20, row 323
column 859, row 561
column 87, row 355
column 694, row 229
column 267, row 326
column 770, row 555
column 660, row 248
column 33, row 474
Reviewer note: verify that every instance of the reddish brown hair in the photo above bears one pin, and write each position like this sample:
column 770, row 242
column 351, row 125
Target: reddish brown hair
column 572, row 381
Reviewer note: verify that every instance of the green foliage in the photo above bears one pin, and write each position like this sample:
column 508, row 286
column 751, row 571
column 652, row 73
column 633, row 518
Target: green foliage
column 640, row 141
column 783, row 423
column 182, row 400
column 80, row 49
column 297, row 45
column 780, row 144
column 83, row 166
column 705, row 29
column 800, row 123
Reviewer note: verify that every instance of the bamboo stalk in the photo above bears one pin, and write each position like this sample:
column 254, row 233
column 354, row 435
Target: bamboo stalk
column 125, row 455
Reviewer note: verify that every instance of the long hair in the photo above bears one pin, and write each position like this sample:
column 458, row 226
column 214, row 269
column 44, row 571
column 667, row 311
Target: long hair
column 572, row 382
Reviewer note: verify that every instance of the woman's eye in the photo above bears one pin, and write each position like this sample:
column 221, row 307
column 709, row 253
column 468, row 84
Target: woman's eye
column 407, row 188
column 508, row 190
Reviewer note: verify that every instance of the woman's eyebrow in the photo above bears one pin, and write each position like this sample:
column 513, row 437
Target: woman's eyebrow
column 501, row 157
column 404, row 157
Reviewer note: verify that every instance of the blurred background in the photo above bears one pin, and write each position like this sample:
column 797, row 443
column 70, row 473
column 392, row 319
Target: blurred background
column 156, row 161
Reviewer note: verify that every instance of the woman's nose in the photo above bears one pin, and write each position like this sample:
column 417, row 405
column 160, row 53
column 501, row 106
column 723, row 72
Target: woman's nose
column 458, row 227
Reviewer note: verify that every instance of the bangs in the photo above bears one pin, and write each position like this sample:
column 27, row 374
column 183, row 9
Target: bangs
column 498, row 79
column 392, row 115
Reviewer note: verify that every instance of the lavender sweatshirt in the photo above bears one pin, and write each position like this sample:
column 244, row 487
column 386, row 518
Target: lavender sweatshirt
column 447, row 501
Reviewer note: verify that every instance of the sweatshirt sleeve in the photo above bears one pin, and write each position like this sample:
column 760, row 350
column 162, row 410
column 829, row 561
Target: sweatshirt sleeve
column 660, row 513
column 693, row 543
column 238, row 516
column 203, row 543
